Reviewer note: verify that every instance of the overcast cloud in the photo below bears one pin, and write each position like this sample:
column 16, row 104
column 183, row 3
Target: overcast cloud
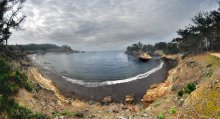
column 106, row 24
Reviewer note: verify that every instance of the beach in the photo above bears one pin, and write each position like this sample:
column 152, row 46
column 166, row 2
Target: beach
column 117, row 91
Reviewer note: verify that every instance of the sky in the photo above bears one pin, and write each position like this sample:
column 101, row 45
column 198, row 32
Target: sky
column 100, row 25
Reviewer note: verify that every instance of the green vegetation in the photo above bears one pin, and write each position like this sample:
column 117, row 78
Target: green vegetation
column 212, row 60
column 139, row 47
column 190, row 87
column 160, row 101
column 14, row 111
column 79, row 114
column 10, row 17
column 172, row 110
column 11, row 80
column 167, row 48
column 201, row 36
column 67, row 113
column 41, row 48
column 207, row 73
column 161, row 116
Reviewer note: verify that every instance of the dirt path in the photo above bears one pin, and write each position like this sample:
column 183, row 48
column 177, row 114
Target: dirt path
column 215, row 54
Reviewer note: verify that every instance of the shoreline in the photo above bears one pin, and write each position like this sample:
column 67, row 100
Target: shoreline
column 117, row 91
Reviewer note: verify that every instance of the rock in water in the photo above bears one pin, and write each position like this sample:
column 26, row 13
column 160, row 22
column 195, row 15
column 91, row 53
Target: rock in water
column 144, row 57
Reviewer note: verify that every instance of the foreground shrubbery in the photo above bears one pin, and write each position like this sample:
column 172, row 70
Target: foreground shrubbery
column 10, row 82
column 14, row 111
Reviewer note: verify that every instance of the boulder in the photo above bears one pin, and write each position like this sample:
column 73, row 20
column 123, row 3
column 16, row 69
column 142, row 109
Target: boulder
column 107, row 100
column 129, row 99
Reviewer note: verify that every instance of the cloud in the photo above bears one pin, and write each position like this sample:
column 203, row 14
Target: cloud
column 106, row 24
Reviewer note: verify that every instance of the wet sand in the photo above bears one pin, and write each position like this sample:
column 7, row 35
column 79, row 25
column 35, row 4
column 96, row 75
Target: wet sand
column 118, row 91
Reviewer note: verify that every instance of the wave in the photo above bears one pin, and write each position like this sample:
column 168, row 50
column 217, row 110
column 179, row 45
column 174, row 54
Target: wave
column 34, row 57
column 96, row 84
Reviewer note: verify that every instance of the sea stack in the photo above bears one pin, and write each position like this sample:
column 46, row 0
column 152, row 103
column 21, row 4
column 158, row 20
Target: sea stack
column 144, row 56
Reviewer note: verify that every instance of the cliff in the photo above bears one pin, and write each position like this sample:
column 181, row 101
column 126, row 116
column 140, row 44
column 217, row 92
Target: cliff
column 190, row 92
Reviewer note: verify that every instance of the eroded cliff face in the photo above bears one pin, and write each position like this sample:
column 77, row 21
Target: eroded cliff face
column 159, row 90
column 174, row 97
column 156, row 91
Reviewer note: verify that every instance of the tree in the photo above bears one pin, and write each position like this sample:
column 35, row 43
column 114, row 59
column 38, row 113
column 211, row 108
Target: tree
column 171, row 48
column 148, row 48
column 160, row 45
column 203, row 35
column 10, row 17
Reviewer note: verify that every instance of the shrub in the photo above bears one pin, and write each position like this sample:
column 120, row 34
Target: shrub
column 67, row 113
column 79, row 114
column 207, row 73
column 172, row 110
column 64, row 113
column 161, row 116
column 180, row 93
column 190, row 87
column 10, row 82
column 56, row 114
column 39, row 116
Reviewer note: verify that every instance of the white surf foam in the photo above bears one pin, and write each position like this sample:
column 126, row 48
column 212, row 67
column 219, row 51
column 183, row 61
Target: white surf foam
column 96, row 84
column 34, row 57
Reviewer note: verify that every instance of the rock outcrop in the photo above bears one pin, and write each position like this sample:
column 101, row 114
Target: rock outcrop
column 129, row 100
column 144, row 56
column 158, row 90
column 107, row 100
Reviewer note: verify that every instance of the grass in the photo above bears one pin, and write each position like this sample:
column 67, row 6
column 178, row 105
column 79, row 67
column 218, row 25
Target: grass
column 212, row 60
column 68, row 113
column 207, row 73
column 206, row 102
column 158, row 102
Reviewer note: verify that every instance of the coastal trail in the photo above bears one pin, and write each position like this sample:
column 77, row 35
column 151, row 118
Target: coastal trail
column 215, row 54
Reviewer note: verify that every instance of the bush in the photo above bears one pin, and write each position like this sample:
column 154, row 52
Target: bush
column 15, row 111
column 10, row 82
column 161, row 116
column 207, row 73
column 79, row 114
column 39, row 116
column 180, row 93
column 190, row 87
column 172, row 110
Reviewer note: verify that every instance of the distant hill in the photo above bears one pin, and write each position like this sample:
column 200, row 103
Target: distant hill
column 43, row 48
